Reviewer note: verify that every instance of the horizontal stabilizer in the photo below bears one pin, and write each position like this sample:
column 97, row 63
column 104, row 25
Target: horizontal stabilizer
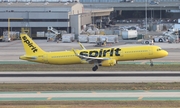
column 28, row 57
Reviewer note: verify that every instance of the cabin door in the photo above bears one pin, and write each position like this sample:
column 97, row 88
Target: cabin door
column 45, row 58
column 121, row 53
column 150, row 51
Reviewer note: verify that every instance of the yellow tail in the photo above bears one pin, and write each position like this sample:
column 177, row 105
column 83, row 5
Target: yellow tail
column 30, row 47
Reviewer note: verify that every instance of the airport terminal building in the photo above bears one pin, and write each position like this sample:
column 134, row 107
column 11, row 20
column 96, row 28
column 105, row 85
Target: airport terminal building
column 38, row 16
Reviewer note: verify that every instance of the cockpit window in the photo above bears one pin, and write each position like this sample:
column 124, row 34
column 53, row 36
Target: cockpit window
column 159, row 49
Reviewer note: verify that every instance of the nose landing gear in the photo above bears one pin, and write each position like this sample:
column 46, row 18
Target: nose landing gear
column 151, row 63
column 95, row 68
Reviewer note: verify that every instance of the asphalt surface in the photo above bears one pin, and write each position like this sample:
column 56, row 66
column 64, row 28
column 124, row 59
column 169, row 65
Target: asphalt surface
column 91, row 74
column 95, row 79
column 90, row 95
column 89, row 77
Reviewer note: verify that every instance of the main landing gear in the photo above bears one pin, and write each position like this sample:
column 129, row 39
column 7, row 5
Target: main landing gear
column 151, row 63
column 95, row 68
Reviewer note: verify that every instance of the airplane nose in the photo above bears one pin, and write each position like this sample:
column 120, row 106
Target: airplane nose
column 165, row 53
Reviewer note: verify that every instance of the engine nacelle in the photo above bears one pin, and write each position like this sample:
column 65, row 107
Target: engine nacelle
column 110, row 62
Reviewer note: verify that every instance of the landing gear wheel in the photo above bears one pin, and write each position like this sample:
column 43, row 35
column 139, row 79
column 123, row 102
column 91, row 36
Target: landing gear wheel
column 95, row 68
column 151, row 63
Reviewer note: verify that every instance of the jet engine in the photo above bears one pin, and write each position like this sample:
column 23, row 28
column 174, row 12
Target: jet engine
column 110, row 62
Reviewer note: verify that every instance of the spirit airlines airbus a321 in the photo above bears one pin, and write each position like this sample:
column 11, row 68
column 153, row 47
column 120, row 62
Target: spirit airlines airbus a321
column 98, row 57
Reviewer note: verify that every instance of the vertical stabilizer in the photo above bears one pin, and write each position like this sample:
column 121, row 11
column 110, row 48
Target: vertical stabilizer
column 30, row 47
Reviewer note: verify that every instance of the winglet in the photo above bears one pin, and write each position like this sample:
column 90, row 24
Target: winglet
column 75, row 52
column 82, row 46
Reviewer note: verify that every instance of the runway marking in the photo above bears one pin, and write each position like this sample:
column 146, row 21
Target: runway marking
column 140, row 98
column 38, row 92
column 49, row 98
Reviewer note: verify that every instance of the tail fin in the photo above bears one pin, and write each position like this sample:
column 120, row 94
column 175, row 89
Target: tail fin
column 30, row 47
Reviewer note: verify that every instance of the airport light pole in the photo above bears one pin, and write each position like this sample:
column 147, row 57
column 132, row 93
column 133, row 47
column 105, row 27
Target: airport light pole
column 152, row 15
column 160, row 14
column 91, row 14
column 146, row 14
column 160, row 19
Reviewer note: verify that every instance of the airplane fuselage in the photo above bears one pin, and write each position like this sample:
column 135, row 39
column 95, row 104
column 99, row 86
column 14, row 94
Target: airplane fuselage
column 119, row 54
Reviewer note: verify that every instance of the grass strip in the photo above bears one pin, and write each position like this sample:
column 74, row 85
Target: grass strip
column 87, row 67
column 88, row 86
column 90, row 104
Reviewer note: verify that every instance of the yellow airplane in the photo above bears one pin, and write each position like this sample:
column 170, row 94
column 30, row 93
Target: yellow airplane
column 98, row 57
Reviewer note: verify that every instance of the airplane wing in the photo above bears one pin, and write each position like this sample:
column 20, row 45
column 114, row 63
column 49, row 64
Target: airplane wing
column 90, row 59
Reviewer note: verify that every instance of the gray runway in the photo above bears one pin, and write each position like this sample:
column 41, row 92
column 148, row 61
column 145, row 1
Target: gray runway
column 89, row 77
column 90, row 95
column 94, row 94
column 91, row 74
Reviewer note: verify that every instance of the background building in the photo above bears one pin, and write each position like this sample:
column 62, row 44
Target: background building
column 38, row 16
